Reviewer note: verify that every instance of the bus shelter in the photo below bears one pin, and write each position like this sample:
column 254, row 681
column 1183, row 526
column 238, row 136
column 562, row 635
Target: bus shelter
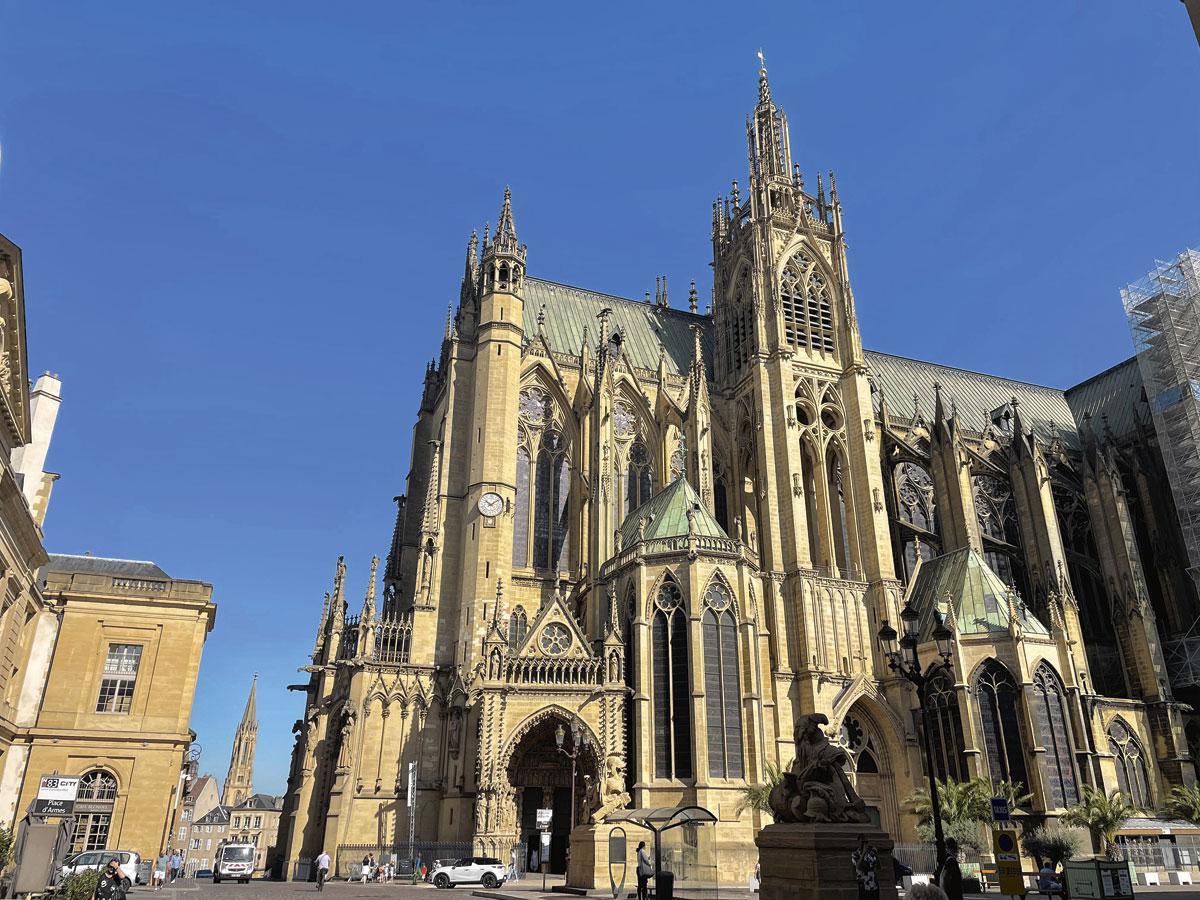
column 658, row 821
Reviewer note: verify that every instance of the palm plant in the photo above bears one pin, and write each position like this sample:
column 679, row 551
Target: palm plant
column 1102, row 815
column 1012, row 791
column 1184, row 803
column 755, row 796
column 961, row 801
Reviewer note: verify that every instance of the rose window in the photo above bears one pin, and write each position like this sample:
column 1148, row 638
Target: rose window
column 669, row 597
column 555, row 639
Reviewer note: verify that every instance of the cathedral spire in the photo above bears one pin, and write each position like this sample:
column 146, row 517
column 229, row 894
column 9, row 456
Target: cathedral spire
column 769, row 148
column 239, row 782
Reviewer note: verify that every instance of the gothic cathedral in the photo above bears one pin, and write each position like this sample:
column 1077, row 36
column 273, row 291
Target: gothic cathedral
column 656, row 538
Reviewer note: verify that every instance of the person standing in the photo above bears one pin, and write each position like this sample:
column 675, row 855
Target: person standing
column 323, row 863
column 949, row 875
column 865, row 860
column 113, row 885
column 645, row 871
column 176, row 865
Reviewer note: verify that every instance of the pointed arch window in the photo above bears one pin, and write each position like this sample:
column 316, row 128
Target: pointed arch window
column 998, row 697
column 722, row 697
column 672, row 695
column 1130, row 759
column 838, row 512
column 1052, row 725
column 916, row 511
column 807, row 311
column 541, row 507
column 638, row 480
column 739, row 326
column 996, row 514
column 946, row 733
column 518, row 625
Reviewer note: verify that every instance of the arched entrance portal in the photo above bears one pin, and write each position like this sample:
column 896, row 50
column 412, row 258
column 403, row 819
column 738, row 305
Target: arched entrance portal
column 540, row 775
column 870, row 767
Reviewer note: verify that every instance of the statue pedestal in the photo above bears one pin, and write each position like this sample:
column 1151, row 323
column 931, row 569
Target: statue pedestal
column 812, row 860
column 588, row 867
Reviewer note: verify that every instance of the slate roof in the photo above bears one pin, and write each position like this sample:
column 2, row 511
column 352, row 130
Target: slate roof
column 644, row 326
column 667, row 514
column 1116, row 393
column 261, row 801
column 978, row 397
column 68, row 563
column 218, row 815
column 978, row 593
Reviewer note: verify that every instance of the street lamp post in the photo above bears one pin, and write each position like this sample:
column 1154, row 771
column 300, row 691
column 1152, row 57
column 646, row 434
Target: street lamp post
column 578, row 743
column 901, row 653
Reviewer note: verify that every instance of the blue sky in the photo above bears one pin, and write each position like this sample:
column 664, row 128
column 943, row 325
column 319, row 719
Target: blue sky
column 242, row 224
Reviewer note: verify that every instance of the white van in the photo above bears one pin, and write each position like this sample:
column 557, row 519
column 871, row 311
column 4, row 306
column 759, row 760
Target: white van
column 234, row 861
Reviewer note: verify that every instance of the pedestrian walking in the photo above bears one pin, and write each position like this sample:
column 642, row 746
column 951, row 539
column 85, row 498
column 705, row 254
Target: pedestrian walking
column 323, row 863
column 113, row 884
column 160, row 870
column 645, row 871
column 176, row 865
column 514, row 874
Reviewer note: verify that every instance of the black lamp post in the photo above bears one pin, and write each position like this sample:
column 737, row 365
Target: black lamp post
column 902, row 658
column 578, row 743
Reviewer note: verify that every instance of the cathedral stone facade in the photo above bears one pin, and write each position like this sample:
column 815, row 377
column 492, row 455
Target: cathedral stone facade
column 663, row 536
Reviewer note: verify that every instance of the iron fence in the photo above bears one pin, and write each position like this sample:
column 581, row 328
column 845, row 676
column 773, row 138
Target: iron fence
column 349, row 857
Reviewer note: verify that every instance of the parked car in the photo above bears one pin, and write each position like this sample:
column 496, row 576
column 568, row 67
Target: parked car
column 203, row 873
column 98, row 859
column 483, row 869
column 435, row 865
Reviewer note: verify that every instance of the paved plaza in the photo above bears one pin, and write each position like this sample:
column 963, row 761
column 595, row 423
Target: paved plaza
column 522, row 890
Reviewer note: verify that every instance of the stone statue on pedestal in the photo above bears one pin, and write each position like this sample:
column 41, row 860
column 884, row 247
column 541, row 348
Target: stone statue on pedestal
column 816, row 789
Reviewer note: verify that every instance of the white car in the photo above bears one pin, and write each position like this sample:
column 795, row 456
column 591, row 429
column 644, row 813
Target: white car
column 98, row 859
column 483, row 869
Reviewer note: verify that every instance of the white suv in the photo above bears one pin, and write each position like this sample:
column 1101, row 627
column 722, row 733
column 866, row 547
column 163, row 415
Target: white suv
column 98, row 859
column 487, row 871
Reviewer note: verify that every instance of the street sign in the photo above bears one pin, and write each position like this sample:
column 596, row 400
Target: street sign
column 1000, row 809
column 617, row 865
column 1008, row 861
column 543, row 818
column 55, row 796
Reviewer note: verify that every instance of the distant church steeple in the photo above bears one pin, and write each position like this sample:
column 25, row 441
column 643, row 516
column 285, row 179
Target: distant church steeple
column 239, row 783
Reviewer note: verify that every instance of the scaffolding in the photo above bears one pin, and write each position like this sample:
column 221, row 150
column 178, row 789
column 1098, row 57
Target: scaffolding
column 1163, row 310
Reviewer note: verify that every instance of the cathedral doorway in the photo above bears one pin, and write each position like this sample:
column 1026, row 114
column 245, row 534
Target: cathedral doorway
column 540, row 775
column 870, row 767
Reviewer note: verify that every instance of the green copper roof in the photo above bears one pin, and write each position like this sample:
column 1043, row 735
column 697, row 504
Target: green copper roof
column 644, row 326
column 666, row 513
column 963, row 578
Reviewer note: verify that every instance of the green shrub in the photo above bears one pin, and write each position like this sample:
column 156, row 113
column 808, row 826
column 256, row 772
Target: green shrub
column 967, row 833
column 79, row 886
column 1054, row 844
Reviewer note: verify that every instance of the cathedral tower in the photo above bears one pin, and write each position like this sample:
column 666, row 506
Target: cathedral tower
column 239, row 783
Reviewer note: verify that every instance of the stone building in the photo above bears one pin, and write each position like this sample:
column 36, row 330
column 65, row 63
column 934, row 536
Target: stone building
column 255, row 820
column 676, row 533
column 118, row 695
column 201, row 796
column 208, row 833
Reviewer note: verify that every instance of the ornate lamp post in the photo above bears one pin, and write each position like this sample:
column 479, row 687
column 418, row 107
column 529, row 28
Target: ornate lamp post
column 578, row 743
column 902, row 658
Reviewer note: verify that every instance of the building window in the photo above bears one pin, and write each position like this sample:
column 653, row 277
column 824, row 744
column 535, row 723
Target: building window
column 182, row 833
column 1052, row 725
column 1131, row 764
column 722, row 697
column 195, row 843
column 186, row 816
column 739, row 326
column 91, row 831
column 945, row 730
column 672, row 697
column 258, row 821
column 518, row 624
column 120, row 675
column 917, row 513
column 996, row 513
column 543, row 482
column 638, row 483
column 97, row 785
column 807, row 311
column 999, row 711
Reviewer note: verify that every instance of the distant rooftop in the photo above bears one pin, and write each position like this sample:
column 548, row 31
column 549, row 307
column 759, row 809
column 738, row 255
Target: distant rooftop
column 69, row 563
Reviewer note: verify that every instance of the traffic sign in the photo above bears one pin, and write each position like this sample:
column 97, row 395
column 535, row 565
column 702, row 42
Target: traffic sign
column 1008, row 861
column 55, row 796
column 1000, row 809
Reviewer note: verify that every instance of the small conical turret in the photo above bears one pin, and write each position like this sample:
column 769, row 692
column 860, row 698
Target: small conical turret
column 504, row 258
column 250, row 714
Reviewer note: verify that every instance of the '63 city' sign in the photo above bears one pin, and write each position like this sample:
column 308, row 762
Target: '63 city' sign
column 55, row 796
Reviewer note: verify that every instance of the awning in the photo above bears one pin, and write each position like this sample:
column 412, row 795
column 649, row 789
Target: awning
column 661, row 818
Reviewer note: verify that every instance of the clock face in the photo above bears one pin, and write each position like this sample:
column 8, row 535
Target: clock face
column 491, row 504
